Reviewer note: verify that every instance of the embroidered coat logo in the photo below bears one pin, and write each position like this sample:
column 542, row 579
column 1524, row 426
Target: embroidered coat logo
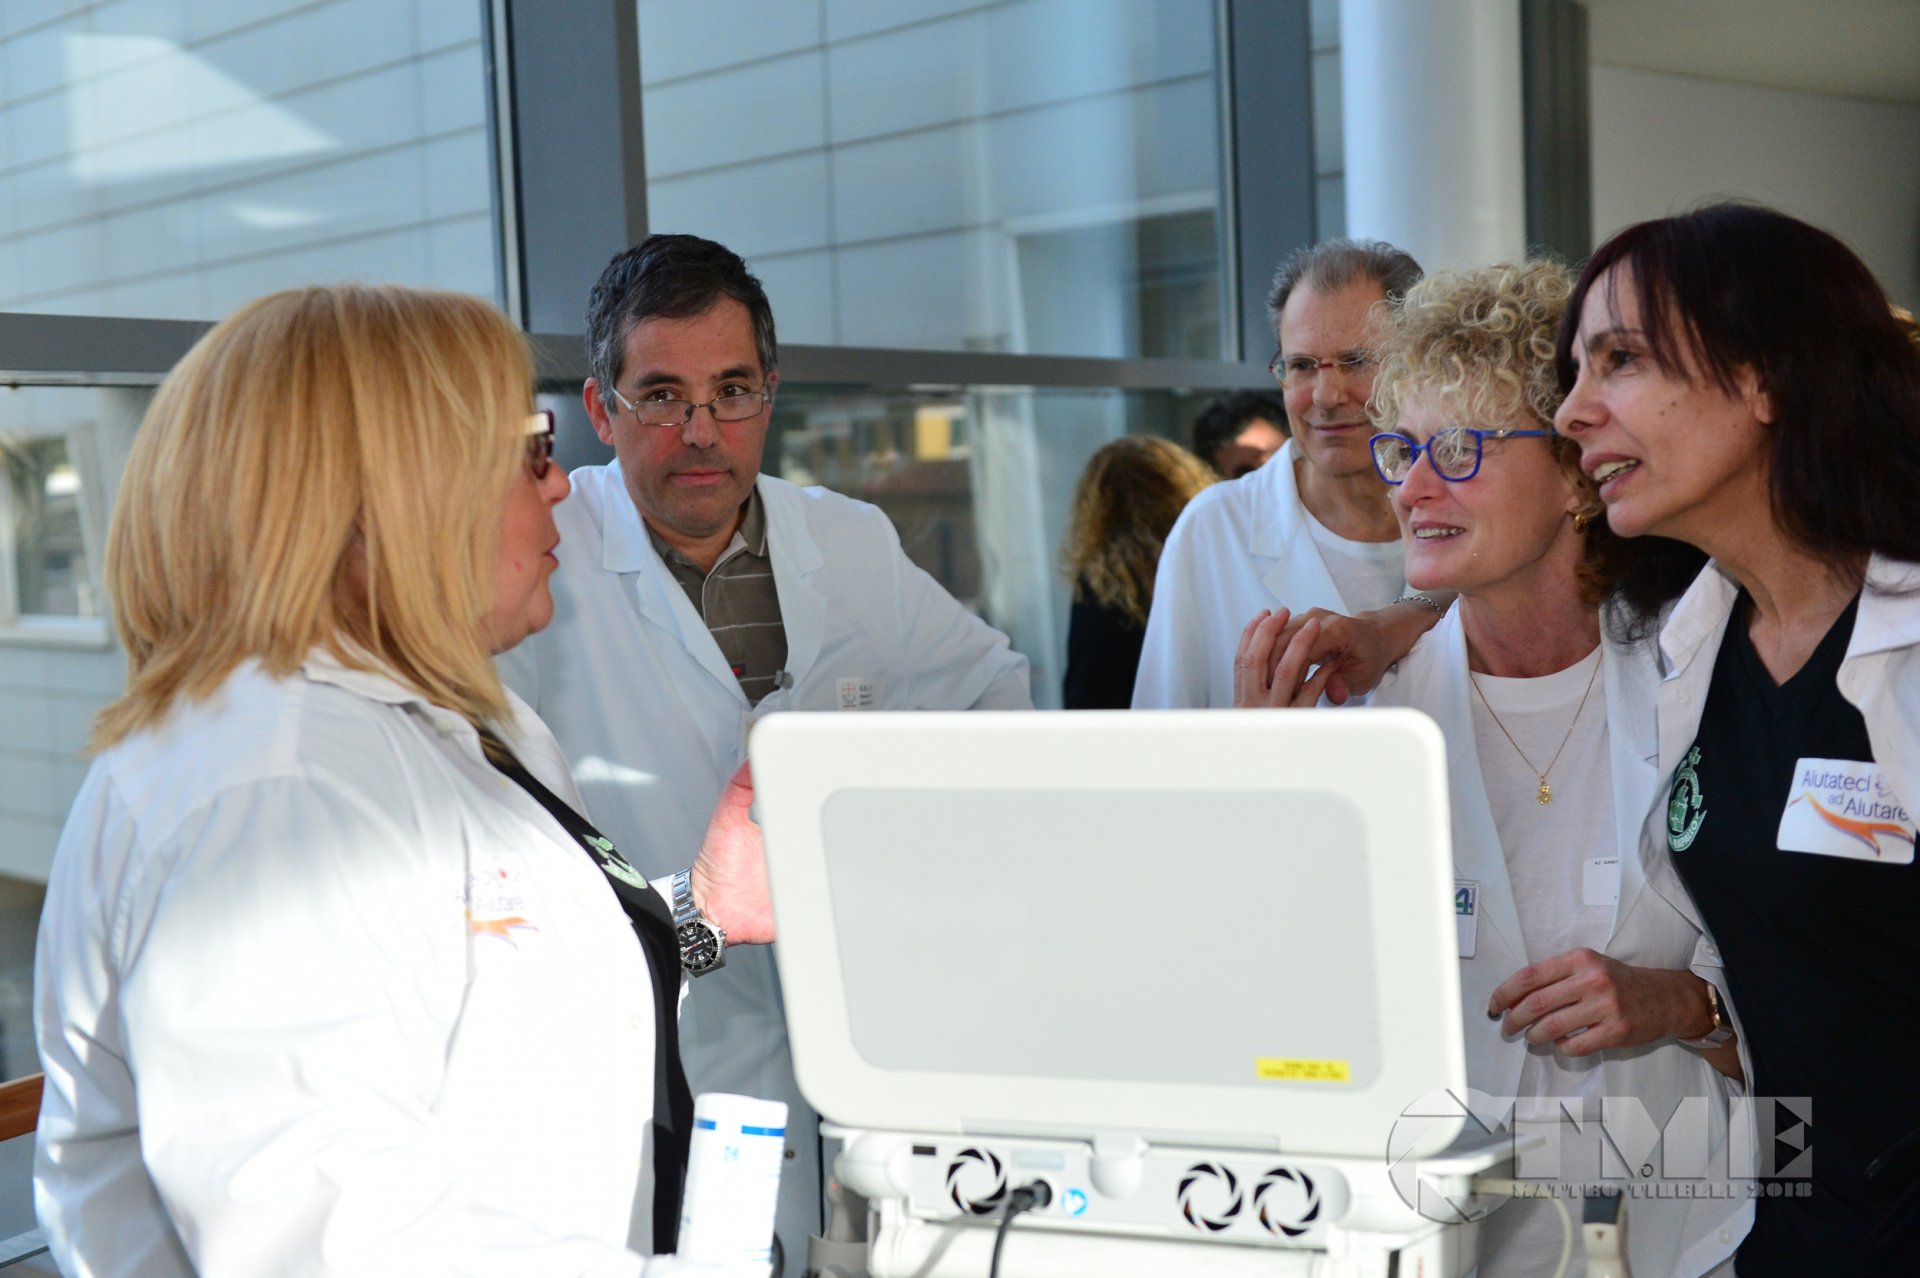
column 1686, row 805
column 613, row 863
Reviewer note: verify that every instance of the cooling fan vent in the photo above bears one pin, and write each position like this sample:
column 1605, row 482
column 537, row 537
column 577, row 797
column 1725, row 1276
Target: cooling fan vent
column 1286, row 1202
column 976, row 1181
column 1209, row 1196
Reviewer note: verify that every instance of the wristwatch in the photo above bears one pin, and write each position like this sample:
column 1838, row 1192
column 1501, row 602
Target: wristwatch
column 703, row 947
column 1722, row 1027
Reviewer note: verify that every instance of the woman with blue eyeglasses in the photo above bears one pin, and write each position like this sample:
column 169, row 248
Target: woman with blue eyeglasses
column 1583, row 971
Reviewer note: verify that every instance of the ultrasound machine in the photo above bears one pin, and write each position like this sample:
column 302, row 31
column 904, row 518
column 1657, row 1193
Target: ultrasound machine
column 1127, row 994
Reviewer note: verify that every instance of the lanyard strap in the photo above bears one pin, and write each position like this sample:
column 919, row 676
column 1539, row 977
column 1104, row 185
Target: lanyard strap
column 653, row 924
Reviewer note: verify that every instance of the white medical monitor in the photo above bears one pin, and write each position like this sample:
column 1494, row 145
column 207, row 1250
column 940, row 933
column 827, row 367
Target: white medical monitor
column 1229, row 929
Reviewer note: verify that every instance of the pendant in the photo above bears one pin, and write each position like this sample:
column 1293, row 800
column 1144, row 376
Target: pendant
column 1546, row 792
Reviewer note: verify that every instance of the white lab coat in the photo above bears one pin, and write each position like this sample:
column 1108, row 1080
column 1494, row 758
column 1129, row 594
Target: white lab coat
column 1651, row 928
column 320, row 992
column 654, row 722
column 1238, row 547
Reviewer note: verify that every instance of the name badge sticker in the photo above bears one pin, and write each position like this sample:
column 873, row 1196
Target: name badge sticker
column 1466, row 914
column 1600, row 883
column 857, row 693
column 1845, row 808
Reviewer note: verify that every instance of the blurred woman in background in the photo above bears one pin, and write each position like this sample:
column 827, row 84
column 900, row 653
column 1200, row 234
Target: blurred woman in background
column 1125, row 504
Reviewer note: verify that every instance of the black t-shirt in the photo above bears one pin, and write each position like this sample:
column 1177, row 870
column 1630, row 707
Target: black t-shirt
column 1822, row 950
column 1103, row 655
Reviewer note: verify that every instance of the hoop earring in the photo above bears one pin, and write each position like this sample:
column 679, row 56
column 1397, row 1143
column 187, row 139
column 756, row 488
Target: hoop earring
column 1580, row 520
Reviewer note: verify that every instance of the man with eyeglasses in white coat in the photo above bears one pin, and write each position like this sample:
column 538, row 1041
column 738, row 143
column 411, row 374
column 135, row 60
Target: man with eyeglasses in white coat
column 695, row 595
column 1310, row 529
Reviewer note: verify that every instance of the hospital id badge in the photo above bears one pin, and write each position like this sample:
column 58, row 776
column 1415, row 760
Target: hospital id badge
column 1845, row 808
column 858, row 692
column 1466, row 914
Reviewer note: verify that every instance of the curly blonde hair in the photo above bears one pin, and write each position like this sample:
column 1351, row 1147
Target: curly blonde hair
column 1481, row 342
column 1123, row 508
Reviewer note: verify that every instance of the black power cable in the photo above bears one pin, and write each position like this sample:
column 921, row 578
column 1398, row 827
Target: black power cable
column 1035, row 1193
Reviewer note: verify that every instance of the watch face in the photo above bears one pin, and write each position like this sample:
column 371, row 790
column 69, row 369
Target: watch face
column 699, row 947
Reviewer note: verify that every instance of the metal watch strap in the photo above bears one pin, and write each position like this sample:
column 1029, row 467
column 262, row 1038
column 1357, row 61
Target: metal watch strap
column 684, row 910
column 1722, row 1027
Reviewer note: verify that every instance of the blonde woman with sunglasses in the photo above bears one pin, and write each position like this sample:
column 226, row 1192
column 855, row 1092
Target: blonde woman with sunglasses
column 334, row 977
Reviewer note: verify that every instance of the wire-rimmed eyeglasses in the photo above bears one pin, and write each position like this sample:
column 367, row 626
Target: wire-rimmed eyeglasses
column 1454, row 451
column 539, row 438
column 1304, row 370
column 737, row 407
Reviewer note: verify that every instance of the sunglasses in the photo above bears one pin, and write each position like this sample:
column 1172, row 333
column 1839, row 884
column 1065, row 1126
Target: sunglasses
column 539, row 438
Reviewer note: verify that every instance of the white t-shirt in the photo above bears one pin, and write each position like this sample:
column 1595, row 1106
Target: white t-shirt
column 1369, row 574
column 1563, row 863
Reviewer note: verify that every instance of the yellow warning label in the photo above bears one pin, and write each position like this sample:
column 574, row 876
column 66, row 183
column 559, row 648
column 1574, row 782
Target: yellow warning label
column 1296, row 1071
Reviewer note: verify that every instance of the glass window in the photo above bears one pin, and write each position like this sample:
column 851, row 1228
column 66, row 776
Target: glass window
column 1329, row 136
column 19, row 922
column 62, row 449
column 978, row 482
column 45, row 532
column 1042, row 176
column 172, row 160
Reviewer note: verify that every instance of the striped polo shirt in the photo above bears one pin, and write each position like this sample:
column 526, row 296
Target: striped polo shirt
column 738, row 602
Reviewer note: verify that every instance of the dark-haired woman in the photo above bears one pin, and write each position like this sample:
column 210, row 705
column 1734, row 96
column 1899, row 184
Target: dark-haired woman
column 1123, row 508
column 1738, row 384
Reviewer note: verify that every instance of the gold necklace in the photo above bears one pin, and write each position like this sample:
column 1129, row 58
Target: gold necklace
column 1546, row 791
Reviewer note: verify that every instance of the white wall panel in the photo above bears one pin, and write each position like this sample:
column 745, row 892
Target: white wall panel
column 213, row 17
column 800, row 287
column 461, row 254
column 165, row 139
column 735, row 117
column 679, row 39
column 452, row 185
column 27, row 784
column 932, row 180
column 901, row 293
column 850, row 19
column 1014, row 57
column 770, row 207
column 447, row 83
column 1663, row 143
column 35, row 62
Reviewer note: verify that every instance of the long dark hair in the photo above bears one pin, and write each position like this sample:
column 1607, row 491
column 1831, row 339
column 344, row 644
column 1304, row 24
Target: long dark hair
column 1735, row 287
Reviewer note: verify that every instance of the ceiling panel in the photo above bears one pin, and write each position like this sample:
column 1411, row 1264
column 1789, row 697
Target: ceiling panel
column 1852, row 48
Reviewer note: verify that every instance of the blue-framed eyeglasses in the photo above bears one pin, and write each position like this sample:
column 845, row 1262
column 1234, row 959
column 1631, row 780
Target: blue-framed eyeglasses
column 1454, row 451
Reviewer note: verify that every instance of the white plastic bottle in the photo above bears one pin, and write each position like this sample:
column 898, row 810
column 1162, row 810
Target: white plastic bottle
column 733, row 1179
